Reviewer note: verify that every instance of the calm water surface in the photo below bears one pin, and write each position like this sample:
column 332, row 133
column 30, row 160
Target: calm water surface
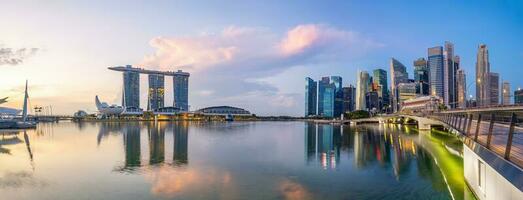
column 238, row 160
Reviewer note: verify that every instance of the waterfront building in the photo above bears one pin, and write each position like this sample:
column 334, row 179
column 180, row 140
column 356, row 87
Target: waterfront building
column 322, row 84
column 223, row 110
column 505, row 97
column 436, row 64
column 398, row 74
column 406, row 91
column 362, row 87
column 518, row 96
column 421, row 76
column 372, row 101
column 338, row 95
column 494, row 88
column 457, row 61
column 451, row 65
column 482, row 76
column 156, row 92
column 155, row 100
column 423, row 104
column 349, row 95
column 311, row 96
column 327, row 101
column 181, row 91
column 131, row 91
column 461, row 87
column 379, row 79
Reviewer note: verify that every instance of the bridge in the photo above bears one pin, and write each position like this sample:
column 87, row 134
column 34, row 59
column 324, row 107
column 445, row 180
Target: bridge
column 493, row 145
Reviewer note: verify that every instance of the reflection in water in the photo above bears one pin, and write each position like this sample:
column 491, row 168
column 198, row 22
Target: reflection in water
column 181, row 139
column 156, row 133
column 132, row 145
column 262, row 160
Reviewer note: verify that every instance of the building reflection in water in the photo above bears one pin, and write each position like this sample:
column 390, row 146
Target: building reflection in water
column 389, row 146
column 156, row 137
column 181, row 139
column 156, row 132
column 132, row 145
column 322, row 144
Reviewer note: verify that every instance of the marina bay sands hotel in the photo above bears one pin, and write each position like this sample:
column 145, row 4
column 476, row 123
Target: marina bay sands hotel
column 155, row 100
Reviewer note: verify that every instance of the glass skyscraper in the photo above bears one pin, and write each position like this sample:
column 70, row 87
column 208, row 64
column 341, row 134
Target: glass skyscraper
column 349, row 95
column 380, row 78
column 449, row 73
column 494, row 88
column 435, row 64
column 362, row 87
column 131, row 93
column 461, row 87
column 518, row 96
column 421, row 76
column 338, row 95
column 310, row 96
column 181, row 91
column 398, row 74
column 156, row 91
column 327, row 101
column 506, row 93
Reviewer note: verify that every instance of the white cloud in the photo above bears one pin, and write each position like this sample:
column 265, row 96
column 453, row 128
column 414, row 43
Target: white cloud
column 223, row 65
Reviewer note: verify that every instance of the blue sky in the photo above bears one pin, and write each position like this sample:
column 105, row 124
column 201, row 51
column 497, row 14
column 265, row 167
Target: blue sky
column 251, row 54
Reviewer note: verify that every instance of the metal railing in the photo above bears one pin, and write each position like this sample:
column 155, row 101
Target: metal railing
column 498, row 131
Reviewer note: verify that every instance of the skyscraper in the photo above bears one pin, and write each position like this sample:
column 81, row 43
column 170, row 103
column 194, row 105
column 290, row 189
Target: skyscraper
column 131, row 84
column 349, row 95
column 327, row 101
column 338, row 95
column 380, row 78
column 398, row 74
column 494, row 88
column 457, row 61
column 482, row 76
column 421, row 76
column 372, row 100
column 156, row 91
column 311, row 96
column 181, row 90
column 406, row 91
column 461, row 87
column 322, row 84
column 505, row 98
column 362, row 87
column 449, row 74
column 518, row 96
column 435, row 64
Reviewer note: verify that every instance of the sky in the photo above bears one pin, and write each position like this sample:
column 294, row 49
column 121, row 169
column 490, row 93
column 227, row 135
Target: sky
column 249, row 54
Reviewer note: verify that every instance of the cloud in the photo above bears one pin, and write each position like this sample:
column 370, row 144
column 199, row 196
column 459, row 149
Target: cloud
column 10, row 56
column 227, row 62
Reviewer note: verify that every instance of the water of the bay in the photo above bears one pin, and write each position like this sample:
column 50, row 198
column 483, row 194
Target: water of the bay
column 235, row 160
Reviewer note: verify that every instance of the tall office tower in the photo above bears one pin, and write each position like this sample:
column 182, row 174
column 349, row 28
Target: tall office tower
column 482, row 76
column 156, row 91
column 362, row 87
column 449, row 74
column 372, row 101
column 494, row 88
column 322, row 84
column 131, row 91
column 311, row 96
column 181, row 90
column 505, row 97
column 421, row 76
column 380, row 78
column 327, row 100
column 338, row 95
column 457, row 61
column 461, row 88
column 349, row 95
column 398, row 74
column 518, row 96
column 435, row 63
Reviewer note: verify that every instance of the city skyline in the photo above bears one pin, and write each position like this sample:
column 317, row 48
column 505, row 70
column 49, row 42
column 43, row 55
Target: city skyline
column 261, row 70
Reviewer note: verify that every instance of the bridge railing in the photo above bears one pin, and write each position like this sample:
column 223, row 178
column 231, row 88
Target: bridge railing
column 499, row 132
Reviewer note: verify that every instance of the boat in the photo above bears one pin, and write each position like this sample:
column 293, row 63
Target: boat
column 16, row 123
